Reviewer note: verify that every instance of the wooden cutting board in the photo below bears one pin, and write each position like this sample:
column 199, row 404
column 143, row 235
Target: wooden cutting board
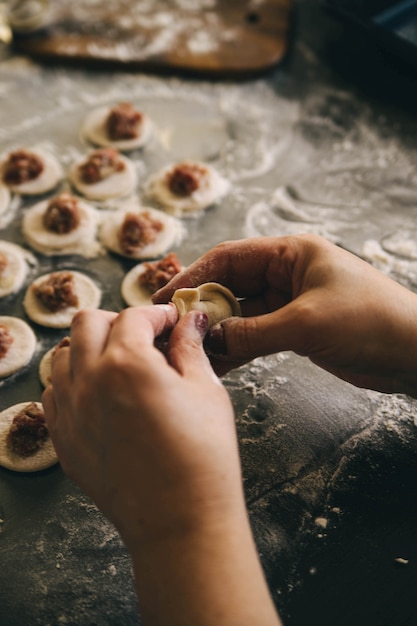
column 225, row 38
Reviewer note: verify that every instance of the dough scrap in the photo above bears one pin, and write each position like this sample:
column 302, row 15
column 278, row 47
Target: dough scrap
column 48, row 179
column 170, row 236
column 81, row 240
column 94, row 129
column 22, row 348
column 45, row 457
column 15, row 273
column 213, row 187
column 211, row 298
column 88, row 293
column 117, row 185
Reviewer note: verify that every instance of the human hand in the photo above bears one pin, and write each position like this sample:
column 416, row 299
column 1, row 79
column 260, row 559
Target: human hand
column 150, row 438
column 304, row 294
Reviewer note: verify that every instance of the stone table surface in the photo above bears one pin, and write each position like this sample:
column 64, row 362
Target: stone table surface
column 326, row 143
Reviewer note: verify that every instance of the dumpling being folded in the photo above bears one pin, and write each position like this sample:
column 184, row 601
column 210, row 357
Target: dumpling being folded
column 211, row 298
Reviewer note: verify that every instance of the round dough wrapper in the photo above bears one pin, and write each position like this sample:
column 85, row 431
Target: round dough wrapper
column 211, row 298
column 45, row 367
column 81, row 240
column 213, row 188
column 89, row 296
column 94, row 129
column 21, row 350
column 4, row 198
column 116, row 185
column 133, row 293
column 48, row 179
column 15, row 273
column 42, row 459
column 170, row 236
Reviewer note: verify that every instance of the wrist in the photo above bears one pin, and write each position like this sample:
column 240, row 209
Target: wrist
column 208, row 575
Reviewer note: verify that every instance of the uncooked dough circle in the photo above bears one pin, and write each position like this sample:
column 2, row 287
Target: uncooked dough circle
column 15, row 272
column 4, row 198
column 48, row 179
column 213, row 188
column 42, row 459
column 217, row 301
column 116, row 185
column 94, row 129
column 89, row 296
column 170, row 236
column 133, row 293
column 81, row 240
column 45, row 367
column 22, row 348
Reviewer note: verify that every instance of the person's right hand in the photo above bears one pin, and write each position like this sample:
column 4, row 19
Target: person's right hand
column 305, row 294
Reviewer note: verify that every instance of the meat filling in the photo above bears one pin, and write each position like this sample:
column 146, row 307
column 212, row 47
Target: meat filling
column 123, row 122
column 57, row 291
column 159, row 273
column 100, row 164
column 62, row 214
column 6, row 340
column 185, row 178
column 22, row 166
column 138, row 231
column 28, row 431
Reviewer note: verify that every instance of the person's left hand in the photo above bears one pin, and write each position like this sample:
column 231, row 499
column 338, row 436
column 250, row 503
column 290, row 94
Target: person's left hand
column 149, row 437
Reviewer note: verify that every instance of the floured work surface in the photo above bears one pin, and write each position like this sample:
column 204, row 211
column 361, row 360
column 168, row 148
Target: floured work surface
column 205, row 37
column 329, row 470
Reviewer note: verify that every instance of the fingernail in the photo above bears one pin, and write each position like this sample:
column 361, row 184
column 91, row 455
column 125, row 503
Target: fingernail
column 201, row 323
column 215, row 340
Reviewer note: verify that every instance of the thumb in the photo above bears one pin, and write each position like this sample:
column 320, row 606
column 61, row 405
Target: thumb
column 241, row 339
column 185, row 348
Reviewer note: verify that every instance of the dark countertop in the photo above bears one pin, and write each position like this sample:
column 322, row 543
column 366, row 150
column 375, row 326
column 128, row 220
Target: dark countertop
column 327, row 143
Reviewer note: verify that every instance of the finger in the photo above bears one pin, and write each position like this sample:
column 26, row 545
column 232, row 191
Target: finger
column 90, row 329
column 185, row 348
column 49, row 407
column 135, row 328
column 239, row 265
column 243, row 339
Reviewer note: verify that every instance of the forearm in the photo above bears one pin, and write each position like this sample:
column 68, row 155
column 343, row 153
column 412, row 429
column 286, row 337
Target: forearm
column 208, row 577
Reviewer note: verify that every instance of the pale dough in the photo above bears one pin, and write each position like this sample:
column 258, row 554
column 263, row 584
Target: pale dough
column 48, row 179
column 211, row 298
column 89, row 296
column 4, row 198
column 213, row 188
column 94, row 129
column 170, row 236
column 45, row 367
column 45, row 457
column 81, row 240
column 133, row 293
column 117, row 185
column 21, row 350
column 15, row 273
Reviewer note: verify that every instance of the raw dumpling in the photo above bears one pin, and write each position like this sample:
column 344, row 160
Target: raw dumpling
column 211, row 298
